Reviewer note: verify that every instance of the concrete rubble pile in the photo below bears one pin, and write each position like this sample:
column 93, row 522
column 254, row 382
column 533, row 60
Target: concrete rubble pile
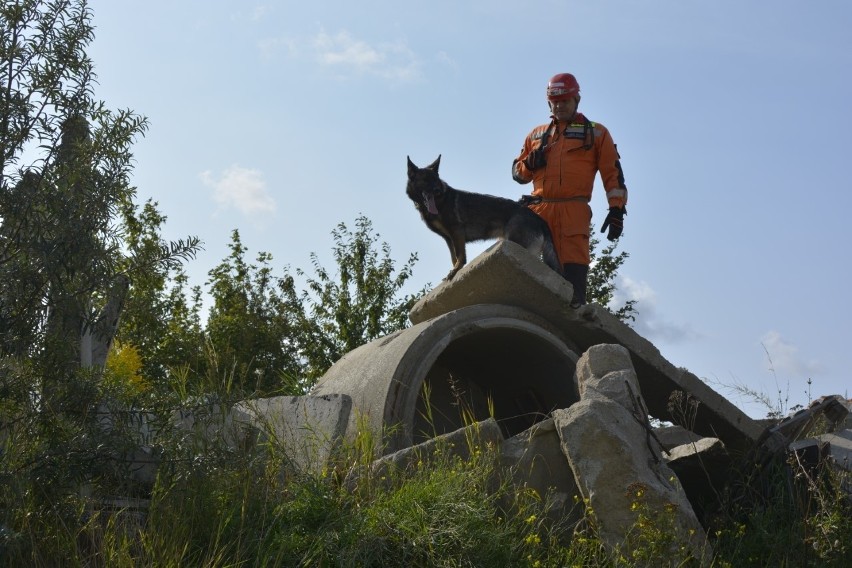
column 565, row 393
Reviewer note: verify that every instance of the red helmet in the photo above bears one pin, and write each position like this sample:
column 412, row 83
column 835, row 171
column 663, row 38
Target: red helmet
column 562, row 86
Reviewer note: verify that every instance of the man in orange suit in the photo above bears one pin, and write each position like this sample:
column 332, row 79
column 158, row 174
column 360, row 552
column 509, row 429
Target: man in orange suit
column 561, row 159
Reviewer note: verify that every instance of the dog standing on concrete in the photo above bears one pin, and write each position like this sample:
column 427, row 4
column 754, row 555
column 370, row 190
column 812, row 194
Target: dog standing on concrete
column 461, row 217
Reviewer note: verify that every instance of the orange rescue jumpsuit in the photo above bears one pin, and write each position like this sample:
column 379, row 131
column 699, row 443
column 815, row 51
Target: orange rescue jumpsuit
column 575, row 152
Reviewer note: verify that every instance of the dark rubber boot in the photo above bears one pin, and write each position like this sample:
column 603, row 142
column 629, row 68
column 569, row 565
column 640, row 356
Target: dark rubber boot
column 577, row 275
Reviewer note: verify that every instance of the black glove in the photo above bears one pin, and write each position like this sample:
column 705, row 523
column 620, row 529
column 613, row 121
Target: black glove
column 615, row 221
column 535, row 159
column 527, row 200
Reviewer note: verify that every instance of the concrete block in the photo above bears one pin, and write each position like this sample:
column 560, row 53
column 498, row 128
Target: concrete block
column 536, row 461
column 453, row 444
column 308, row 429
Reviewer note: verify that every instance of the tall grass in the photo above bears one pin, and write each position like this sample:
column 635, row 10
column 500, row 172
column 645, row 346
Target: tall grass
column 214, row 506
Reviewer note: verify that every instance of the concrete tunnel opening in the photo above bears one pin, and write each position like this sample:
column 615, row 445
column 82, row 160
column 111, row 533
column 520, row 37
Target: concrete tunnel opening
column 517, row 375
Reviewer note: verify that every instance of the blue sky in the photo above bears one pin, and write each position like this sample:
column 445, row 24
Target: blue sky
column 282, row 119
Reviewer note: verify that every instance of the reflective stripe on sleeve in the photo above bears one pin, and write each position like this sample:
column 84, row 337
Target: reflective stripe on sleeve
column 617, row 192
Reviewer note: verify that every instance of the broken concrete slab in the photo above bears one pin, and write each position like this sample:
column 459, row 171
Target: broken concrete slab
column 205, row 424
column 459, row 444
column 846, row 423
column 834, row 449
column 606, row 449
column 777, row 438
column 507, row 274
column 307, row 429
column 844, row 434
column 691, row 449
column 703, row 468
column 836, row 446
column 617, row 467
column 674, row 435
column 536, row 462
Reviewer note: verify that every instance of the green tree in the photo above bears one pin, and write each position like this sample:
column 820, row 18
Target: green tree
column 248, row 328
column 60, row 239
column 361, row 302
column 65, row 161
column 161, row 319
column 265, row 334
column 602, row 275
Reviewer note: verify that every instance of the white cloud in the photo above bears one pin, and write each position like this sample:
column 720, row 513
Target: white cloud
column 649, row 323
column 347, row 55
column 784, row 359
column 343, row 49
column 242, row 189
column 344, row 52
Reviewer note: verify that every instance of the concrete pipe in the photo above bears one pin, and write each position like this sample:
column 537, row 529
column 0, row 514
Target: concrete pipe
column 458, row 368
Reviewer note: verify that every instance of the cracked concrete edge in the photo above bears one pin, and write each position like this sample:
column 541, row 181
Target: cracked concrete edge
column 504, row 269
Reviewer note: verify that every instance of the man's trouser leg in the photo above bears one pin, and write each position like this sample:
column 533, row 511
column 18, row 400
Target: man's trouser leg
column 577, row 275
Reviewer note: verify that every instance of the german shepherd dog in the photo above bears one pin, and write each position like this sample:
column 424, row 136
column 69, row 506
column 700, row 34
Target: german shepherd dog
column 461, row 217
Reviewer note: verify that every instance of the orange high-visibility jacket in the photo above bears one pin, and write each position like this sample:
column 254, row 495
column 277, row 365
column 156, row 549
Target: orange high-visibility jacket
column 575, row 153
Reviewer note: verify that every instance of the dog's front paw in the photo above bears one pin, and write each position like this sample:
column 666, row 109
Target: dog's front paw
column 450, row 274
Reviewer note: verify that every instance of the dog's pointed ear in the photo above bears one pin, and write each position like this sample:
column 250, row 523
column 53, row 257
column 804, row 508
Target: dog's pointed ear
column 411, row 166
column 434, row 165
